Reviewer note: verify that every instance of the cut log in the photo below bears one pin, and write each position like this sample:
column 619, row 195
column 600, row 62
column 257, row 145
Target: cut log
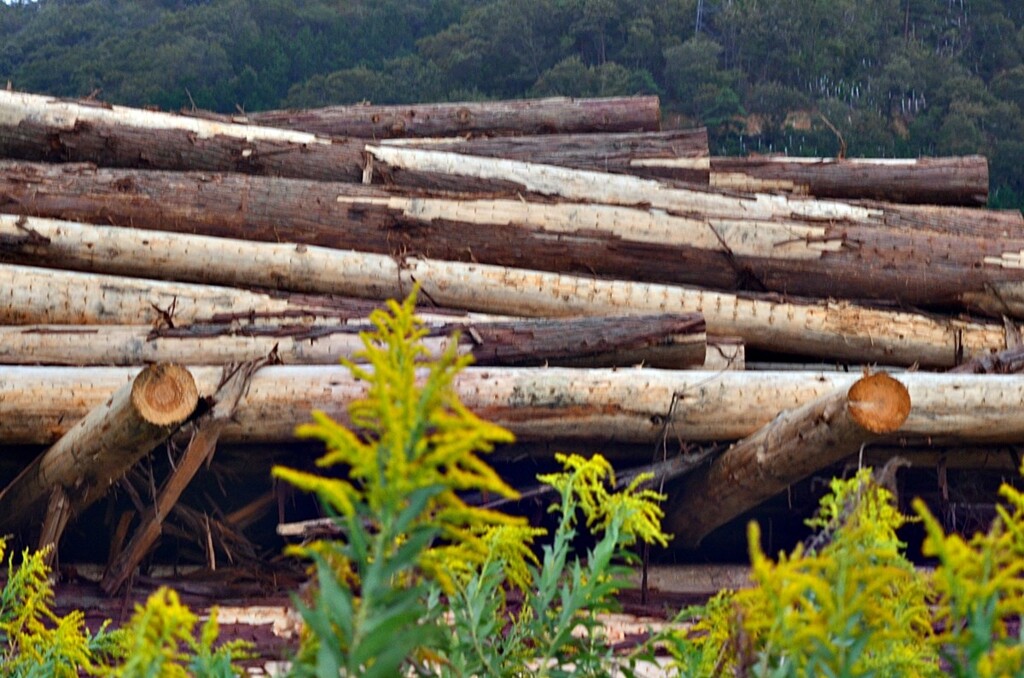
column 936, row 181
column 680, row 155
column 920, row 256
column 671, row 341
column 38, row 404
column 530, row 116
column 833, row 330
column 34, row 127
column 204, row 433
column 96, row 451
column 794, row 445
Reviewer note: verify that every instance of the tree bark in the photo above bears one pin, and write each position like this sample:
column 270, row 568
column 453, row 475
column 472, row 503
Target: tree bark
column 680, row 155
column 38, row 404
column 833, row 330
column 794, row 445
column 530, row 116
column 34, row 127
column 936, row 181
column 92, row 454
column 670, row 341
column 920, row 256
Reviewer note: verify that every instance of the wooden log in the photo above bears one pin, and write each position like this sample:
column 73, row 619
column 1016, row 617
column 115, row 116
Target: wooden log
column 920, row 256
column 34, row 127
column 38, row 404
column 529, row 116
column 937, row 181
column 680, row 155
column 834, row 330
column 794, row 445
column 203, row 436
column 117, row 431
column 671, row 341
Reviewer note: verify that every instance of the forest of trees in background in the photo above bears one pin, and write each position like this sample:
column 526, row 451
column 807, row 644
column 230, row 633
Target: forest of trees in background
column 896, row 78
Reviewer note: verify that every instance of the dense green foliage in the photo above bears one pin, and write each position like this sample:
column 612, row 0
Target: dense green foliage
column 896, row 77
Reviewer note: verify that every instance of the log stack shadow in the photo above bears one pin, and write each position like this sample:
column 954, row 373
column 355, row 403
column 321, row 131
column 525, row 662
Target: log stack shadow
column 620, row 290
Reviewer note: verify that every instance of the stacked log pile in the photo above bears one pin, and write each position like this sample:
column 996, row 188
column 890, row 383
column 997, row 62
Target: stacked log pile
column 610, row 279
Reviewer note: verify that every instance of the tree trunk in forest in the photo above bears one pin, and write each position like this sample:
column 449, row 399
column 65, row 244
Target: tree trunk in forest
column 38, row 404
column 669, row 341
column 118, row 431
column 530, row 116
column 832, row 330
column 923, row 256
column 936, row 181
column 34, row 127
column 680, row 155
column 794, row 445
column 203, row 436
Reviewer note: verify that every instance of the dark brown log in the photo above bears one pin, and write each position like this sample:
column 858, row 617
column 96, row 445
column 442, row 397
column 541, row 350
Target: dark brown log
column 936, row 181
column 924, row 255
column 670, row 341
column 100, row 447
column 681, row 155
column 34, row 127
column 793, row 446
column 531, row 116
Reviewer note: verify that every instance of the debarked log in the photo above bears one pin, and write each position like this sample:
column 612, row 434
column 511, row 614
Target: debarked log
column 832, row 330
column 35, row 127
column 528, row 116
column 670, row 341
column 794, row 445
column 119, row 428
column 921, row 255
column 936, row 181
column 680, row 155
column 38, row 404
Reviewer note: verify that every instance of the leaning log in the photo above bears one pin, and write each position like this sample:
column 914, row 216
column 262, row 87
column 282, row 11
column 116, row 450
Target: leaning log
column 38, row 404
column 921, row 256
column 203, row 436
column 794, row 445
column 529, row 116
column 680, row 155
column 832, row 330
column 669, row 341
column 35, row 127
column 936, row 181
column 96, row 451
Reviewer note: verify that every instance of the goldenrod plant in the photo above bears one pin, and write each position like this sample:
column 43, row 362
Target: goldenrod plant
column 158, row 642
column 847, row 604
column 33, row 639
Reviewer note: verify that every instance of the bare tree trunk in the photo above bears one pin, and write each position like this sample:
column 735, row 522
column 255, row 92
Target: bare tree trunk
column 34, row 127
column 38, row 404
column 530, row 116
column 793, row 446
column 671, row 341
column 936, row 181
column 92, row 454
column 834, row 330
column 921, row 256
column 680, row 155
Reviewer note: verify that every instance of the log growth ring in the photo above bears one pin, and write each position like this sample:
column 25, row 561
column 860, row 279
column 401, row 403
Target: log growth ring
column 164, row 394
column 878, row 403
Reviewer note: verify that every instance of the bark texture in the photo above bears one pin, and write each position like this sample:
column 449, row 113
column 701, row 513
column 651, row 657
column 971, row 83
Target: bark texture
column 937, row 181
column 922, row 256
column 530, row 116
